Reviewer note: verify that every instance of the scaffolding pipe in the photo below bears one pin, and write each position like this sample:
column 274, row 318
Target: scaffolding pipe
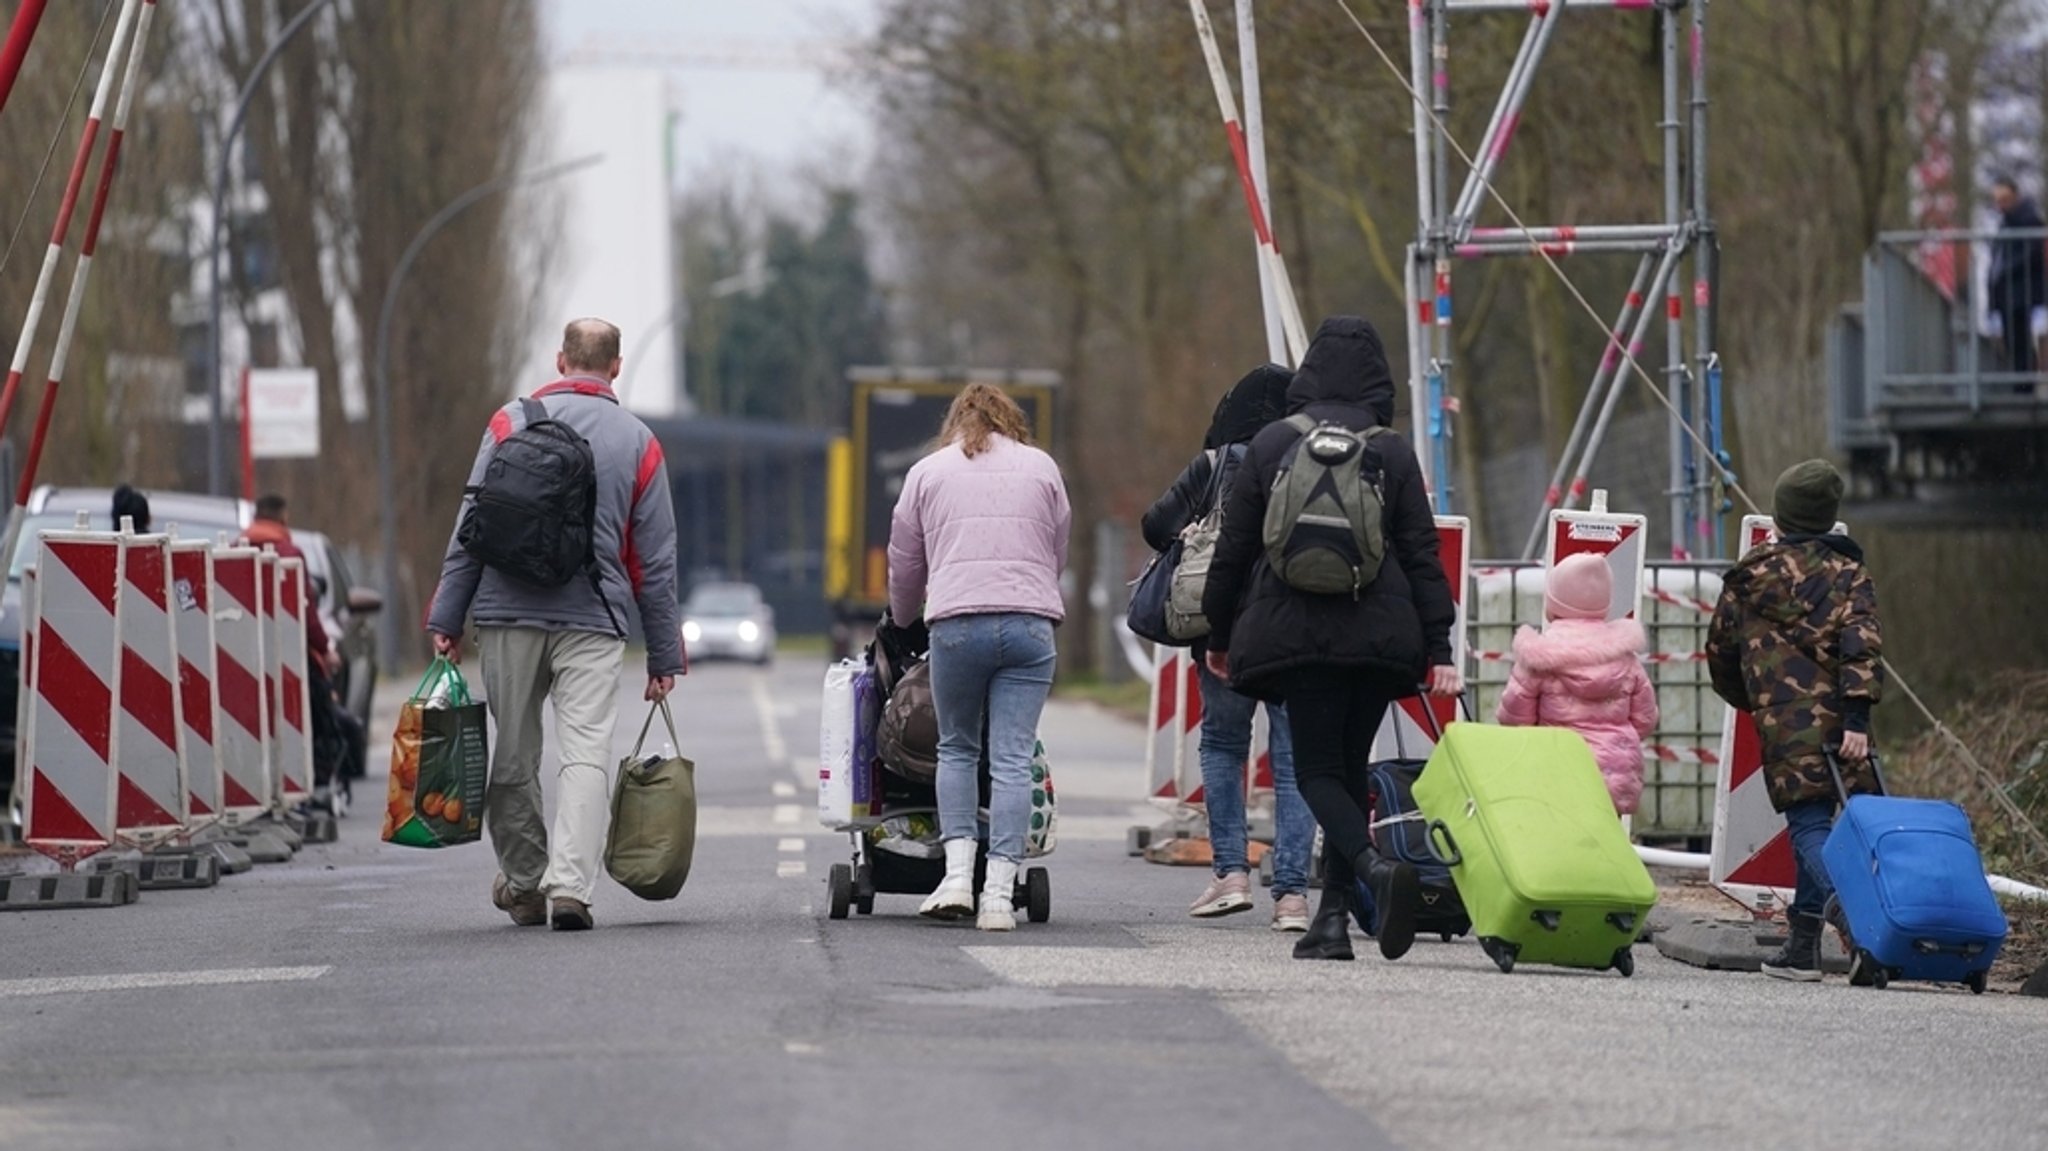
column 1444, row 357
column 87, row 137
column 1507, row 115
column 1675, row 382
column 1526, row 5
column 20, row 35
column 1712, row 522
column 1419, row 312
column 1666, row 269
column 1659, row 232
column 1603, row 375
column 1255, row 144
column 1558, row 249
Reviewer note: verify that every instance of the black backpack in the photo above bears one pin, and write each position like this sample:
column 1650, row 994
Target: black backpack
column 534, row 516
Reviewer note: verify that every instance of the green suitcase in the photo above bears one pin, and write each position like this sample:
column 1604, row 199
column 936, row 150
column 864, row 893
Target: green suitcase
column 1538, row 856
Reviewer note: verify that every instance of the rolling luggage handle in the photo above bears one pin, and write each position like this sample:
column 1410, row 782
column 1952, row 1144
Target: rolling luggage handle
column 1833, row 756
column 1436, row 827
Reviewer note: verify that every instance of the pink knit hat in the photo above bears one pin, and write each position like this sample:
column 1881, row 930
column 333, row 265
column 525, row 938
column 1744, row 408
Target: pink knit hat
column 1579, row 587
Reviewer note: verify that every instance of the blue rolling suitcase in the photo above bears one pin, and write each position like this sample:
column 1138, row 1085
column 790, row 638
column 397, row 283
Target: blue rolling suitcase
column 1400, row 832
column 1910, row 882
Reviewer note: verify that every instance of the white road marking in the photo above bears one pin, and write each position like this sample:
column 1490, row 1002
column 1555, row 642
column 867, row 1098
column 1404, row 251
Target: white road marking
column 791, row 869
column 764, row 708
column 783, row 789
column 790, row 846
column 788, row 813
column 143, row 981
column 803, row 1049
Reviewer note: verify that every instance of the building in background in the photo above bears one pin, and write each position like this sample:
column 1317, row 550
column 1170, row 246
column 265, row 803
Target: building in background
column 610, row 247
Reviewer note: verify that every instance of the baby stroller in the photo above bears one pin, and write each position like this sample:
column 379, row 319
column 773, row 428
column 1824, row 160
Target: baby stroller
column 894, row 832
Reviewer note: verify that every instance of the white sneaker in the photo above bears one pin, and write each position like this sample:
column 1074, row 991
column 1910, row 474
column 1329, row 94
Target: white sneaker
column 1225, row 895
column 954, row 898
column 998, row 913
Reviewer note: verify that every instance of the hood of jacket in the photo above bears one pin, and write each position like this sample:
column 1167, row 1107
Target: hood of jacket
column 1253, row 402
column 1345, row 364
column 1593, row 659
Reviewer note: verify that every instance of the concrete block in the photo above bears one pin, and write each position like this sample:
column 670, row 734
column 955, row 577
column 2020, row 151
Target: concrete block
column 67, row 891
column 233, row 860
column 1736, row 945
column 2037, row 983
column 169, row 871
column 320, row 829
column 285, row 831
column 263, row 847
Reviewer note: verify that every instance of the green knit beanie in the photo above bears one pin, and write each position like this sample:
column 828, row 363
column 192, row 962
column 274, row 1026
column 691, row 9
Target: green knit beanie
column 1808, row 498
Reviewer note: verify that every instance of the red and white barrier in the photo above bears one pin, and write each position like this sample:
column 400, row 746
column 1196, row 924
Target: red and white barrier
column 242, row 739
column 1405, row 734
column 1618, row 537
column 151, row 803
column 1172, row 747
column 66, row 748
column 198, row 706
column 284, row 650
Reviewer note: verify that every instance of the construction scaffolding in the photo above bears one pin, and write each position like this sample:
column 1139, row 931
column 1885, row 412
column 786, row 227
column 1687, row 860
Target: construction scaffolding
column 1448, row 209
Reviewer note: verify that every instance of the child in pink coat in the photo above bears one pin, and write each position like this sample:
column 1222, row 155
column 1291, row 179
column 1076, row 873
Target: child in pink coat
column 1585, row 672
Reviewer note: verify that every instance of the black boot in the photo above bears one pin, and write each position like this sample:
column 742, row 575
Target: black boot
column 1799, row 959
column 1329, row 933
column 1397, row 892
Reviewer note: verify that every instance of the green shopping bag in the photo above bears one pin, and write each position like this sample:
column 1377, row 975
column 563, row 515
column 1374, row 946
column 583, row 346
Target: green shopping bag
column 440, row 764
column 654, row 818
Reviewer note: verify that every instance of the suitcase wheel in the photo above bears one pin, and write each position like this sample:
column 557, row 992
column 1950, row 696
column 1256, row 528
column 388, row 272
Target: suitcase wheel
column 1625, row 962
column 1037, row 895
column 1865, row 971
column 840, row 883
column 864, row 889
column 1500, row 951
column 1445, row 936
column 1975, row 982
column 1136, row 840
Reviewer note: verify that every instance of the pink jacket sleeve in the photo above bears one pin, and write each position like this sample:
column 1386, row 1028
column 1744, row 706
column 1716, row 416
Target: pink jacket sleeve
column 1642, row 704
column 908, row 563
column 1518, row 703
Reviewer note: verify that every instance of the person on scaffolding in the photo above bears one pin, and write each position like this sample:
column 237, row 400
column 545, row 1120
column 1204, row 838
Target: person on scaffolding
column 2018, row 283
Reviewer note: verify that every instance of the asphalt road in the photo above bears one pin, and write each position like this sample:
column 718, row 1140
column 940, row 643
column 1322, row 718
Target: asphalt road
column 365, row 996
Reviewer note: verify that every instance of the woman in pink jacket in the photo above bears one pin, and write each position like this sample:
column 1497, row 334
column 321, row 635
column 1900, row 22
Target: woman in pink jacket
column 1585, row 672
column 975, row 549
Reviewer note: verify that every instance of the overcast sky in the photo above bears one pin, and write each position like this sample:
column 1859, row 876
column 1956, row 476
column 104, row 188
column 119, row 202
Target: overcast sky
column 787, row 117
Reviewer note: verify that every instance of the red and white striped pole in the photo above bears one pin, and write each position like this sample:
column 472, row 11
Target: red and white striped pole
column 1269, row 250
column 69, row 325
column 86, row 139
column 20, row 34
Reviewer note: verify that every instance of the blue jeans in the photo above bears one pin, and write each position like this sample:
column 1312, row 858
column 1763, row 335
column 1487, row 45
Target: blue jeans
column 1226, row 742
column 998, row 666
column 1810, row 821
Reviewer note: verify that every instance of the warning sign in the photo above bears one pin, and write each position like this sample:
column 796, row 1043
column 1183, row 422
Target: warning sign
column 1618, row 537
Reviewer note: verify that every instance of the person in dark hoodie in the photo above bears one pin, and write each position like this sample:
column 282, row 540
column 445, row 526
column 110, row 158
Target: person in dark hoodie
column 1257, row 400
column 2018, row 281
column 1337, row 661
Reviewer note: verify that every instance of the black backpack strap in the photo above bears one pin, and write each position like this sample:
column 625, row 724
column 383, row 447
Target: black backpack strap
column 533, row 410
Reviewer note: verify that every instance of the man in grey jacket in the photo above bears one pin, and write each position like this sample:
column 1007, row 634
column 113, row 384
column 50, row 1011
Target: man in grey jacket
column 565, row 643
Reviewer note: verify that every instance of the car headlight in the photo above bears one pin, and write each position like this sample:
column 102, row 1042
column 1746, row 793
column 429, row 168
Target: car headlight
column 691, row 632
column 749, row 631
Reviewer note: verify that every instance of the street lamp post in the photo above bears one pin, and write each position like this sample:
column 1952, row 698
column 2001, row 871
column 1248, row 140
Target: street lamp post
column 387, row 484
column 216, row 461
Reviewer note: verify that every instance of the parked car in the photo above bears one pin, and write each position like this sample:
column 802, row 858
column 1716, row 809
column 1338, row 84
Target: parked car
column 728, row 621
column 348, row 611
column 56, row 509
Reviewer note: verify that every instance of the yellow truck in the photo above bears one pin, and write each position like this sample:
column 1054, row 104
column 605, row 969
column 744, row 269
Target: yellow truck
column 893, row 415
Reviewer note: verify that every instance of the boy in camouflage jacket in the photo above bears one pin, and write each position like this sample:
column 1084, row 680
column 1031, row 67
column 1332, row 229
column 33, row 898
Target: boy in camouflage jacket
column 1795, row 643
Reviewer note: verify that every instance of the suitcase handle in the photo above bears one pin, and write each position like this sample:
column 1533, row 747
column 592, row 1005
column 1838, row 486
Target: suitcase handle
column 1437, row 827
column 1436, row 728
column 1835, row 773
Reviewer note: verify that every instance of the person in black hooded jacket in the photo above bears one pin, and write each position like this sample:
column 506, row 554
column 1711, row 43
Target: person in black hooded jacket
column 1337, row 661
column 1255, row 401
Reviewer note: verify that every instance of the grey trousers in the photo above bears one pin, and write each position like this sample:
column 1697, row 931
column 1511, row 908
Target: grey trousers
column 579, row 672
